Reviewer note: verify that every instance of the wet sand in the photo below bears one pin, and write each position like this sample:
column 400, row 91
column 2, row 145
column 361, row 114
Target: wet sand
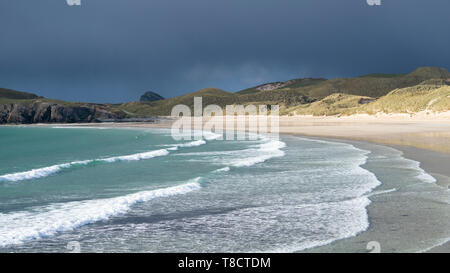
column 438, row 165
column 404, row 216
column 426, row 140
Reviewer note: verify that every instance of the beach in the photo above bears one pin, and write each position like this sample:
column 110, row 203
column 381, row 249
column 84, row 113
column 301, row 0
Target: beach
column 397, row 209
column 424, row 138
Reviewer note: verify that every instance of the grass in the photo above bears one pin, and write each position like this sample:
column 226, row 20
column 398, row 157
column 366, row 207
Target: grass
column 431, row 95
column 424, row 88
column 16, row 95
column 411, row 100
column 335, row 104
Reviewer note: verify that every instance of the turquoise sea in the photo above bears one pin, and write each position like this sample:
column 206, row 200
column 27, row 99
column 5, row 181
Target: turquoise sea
column 138, row 190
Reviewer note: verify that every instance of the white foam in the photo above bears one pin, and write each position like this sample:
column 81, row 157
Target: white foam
column 189, row 144
column 440, row 243
column 211, row 136
column 381, row 192
column 267, row 150
column 421, row 173
column 46, row 171
column 136, row 157
column 41, row 172
column 415, row 165
column 356, row 222
column 79, row 127
column 225, row 169
column 17, row 227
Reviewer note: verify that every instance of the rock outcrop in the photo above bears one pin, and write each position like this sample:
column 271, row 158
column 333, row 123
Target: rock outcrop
column 47, row 112
column 151, row 96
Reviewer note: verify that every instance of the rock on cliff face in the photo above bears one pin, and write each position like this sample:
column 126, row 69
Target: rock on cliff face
column 44, row 112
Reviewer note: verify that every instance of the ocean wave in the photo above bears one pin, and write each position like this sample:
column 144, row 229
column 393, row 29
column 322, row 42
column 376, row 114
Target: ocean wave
column 17, row 227
column 46, row 171
column 79, row 127
column 268, row 149
column 136, row 157
column 357, row 221
column 422, row 174
column 189, row 144
column 41, row 172
column 381, row 192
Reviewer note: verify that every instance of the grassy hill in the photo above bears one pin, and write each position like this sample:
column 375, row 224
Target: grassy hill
column 295, row 83
column 11, row 96
column 425, row 88
column 314, row 96
column 372, row 85
column 335, row 104
column 431, row 95
column 164, row 107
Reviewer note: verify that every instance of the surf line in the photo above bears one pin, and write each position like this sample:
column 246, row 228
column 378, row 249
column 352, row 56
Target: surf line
column 47, row 171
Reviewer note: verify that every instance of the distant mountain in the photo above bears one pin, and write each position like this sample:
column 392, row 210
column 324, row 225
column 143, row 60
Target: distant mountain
column 151, row 96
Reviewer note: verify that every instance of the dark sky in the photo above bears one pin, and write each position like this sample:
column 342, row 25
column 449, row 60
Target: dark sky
column 114, row 50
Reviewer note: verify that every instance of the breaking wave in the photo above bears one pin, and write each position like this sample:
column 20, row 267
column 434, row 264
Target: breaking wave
column 17, row 227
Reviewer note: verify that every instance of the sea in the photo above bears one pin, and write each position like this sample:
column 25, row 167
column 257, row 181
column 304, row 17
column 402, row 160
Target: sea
column 138, row 190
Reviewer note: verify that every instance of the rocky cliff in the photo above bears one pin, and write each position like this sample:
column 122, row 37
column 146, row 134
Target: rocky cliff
column 48, row 112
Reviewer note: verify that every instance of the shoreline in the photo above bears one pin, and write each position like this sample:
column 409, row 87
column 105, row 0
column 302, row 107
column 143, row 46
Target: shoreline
column 403, row 136
column 433, row 163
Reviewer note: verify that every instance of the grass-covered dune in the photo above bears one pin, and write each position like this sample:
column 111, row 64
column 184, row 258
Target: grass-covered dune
column 431, row 95
column 335, row 104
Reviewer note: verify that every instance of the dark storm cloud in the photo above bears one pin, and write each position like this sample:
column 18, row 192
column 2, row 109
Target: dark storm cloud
column 114, row 50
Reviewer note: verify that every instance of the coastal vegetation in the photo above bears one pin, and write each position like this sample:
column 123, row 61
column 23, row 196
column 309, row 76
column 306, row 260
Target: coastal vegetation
column 424, row 89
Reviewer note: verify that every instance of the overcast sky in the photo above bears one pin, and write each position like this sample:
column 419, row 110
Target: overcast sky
column 115, row 50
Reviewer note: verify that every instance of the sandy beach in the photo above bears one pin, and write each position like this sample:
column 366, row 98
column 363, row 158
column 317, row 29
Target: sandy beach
column 424, row 138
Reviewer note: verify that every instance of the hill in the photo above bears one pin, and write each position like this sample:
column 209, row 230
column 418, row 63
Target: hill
column 425, row 88
column 431, row 95
column 295, row 83
column 372, row 85
column 164, row 107
column 23, row 108
column 9, row 94
column 151, row 96
column 335, row 104
column 298, row 94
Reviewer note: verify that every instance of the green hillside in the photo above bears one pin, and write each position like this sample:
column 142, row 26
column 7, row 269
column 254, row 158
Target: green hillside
column 430, row 95
column 372, row 85
column 335, row 104
column 164, row 107
column 11, row 96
